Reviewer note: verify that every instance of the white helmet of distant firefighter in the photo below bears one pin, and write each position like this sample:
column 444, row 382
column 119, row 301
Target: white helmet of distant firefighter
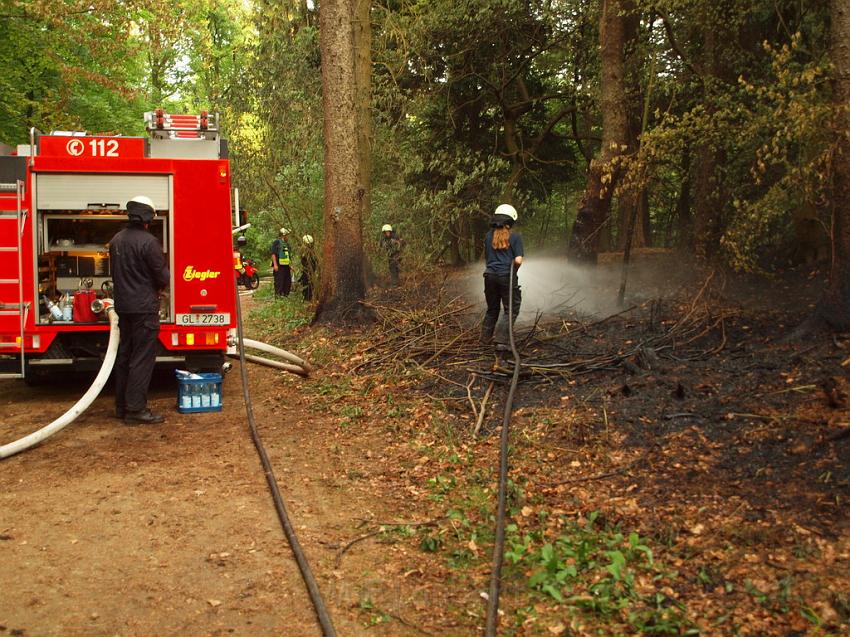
column 506, row 209
column 386, row 228
column 307, row 240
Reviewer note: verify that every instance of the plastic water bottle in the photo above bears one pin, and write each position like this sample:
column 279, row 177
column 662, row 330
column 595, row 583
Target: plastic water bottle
column 67, row 308
column 205, row 395
column 54, row 309
column 186, row 398
column 196, row 396
column 215, row 398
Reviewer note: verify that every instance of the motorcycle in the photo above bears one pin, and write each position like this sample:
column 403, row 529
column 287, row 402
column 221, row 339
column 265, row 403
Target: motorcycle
column 248, row 275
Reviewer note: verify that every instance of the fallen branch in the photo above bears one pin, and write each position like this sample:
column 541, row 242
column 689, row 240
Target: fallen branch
column 481, row 413
column 599, row 476
column 381, row 528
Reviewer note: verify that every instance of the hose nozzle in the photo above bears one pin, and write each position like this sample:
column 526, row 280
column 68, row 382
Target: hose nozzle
column 99, row 305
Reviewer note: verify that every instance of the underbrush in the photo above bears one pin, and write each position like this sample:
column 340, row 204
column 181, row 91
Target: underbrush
column 271, row 318
column 652, row 491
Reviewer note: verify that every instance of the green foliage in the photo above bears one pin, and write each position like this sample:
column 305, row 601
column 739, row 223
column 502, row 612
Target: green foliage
column 276, row 126
column 474, row 102
column 597, row 570
column 97, row 66
column 67, row 65
column 751, row 121
column 788, row 124
column 273, row 317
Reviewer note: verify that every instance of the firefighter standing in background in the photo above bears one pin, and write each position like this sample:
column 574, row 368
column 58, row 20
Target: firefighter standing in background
column 309, row 266
column 139, row 274
column 241, row 242
column 392, row 245
column 282, row 264
column 501, row 248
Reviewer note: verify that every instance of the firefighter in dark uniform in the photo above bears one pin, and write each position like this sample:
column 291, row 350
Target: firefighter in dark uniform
column 139, row 274
column 309, row 267
column 392, row 246
column 282, row 264
column 502, row 248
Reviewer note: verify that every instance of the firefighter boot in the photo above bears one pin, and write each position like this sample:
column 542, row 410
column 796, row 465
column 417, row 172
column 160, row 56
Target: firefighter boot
column 143, row 417
column 502, row 339
column 487, row 328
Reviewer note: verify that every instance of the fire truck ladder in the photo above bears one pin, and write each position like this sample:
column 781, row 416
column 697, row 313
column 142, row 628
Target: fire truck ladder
column 19, row 308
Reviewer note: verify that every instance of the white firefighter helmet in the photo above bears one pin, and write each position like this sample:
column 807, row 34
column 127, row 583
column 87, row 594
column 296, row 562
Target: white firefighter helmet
column 386, row 228
column 507, row 210
column 141, row 207
column 307, row 240
column 284, row 232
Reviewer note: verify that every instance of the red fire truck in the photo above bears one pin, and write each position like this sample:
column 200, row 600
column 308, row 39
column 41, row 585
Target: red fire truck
column 63, row 197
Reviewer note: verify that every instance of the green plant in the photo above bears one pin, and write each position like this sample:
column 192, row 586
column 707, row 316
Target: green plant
column 441, row 485
column 351, row 411
column 431, row 543
column 375, row 615
column 593, row 569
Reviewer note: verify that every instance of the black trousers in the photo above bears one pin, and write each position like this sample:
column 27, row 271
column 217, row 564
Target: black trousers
column 306, row 282
column 395, row 268
column 136, row 359
column 497, row 288
column 283, row 280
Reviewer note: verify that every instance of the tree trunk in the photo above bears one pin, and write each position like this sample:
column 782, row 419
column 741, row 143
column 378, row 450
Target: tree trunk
column 707, row 198
column 641, row 235
column 707, row 204
column 684, row 219
column 363, row 98
column 343, row 285
column 835, row 306
column 593, row 211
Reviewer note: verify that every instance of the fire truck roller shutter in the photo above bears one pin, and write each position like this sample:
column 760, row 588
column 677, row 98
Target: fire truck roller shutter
column 80, row 192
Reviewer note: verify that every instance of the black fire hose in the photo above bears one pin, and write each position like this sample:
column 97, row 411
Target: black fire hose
column 324, row 618
column 499, row 545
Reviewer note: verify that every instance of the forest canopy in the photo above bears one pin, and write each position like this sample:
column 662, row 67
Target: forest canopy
column 722, row 143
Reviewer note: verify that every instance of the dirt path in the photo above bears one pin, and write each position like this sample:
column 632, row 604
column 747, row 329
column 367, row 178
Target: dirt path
column 114, row 530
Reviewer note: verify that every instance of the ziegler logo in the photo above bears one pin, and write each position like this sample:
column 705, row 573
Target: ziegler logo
column 191, row 274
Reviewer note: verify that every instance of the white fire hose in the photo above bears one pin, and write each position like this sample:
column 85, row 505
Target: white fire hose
column 295, row 364
column 82, row 404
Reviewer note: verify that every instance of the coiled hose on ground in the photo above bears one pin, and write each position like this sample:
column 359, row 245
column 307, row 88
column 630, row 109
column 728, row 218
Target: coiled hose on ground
column 296, row 364
column 499, row 545
column 324, row 618
column 82, row 404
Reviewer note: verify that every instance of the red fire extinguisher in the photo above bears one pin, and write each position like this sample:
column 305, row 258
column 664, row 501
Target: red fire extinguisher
column 82, row 302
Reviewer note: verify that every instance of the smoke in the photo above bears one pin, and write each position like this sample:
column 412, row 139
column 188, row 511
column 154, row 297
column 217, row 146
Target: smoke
column 555, row 287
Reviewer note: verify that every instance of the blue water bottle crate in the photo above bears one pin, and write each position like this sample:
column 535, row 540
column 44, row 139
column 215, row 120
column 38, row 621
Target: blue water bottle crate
column 198, row 392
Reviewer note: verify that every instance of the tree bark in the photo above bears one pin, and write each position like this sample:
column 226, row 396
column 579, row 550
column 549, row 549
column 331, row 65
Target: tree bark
column 594, row 210
column 684, row 219
column 363, row 98
column 343, row 284
column 708, row 201
column 835, row 306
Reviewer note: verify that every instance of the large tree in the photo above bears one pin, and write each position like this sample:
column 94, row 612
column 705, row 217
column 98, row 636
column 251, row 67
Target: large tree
column 615, row 31
column 343, row 284
column 835, row 307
